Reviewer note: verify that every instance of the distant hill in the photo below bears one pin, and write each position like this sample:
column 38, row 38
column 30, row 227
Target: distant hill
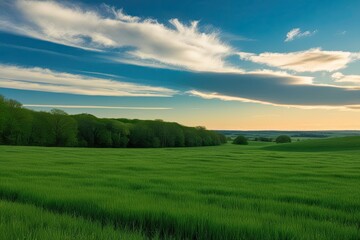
column 318, row 145
column 292, row 134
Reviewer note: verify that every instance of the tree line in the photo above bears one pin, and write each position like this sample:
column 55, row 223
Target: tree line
column 21, row 126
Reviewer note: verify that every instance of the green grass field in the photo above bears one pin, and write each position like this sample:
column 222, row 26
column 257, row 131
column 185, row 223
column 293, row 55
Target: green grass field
column 24, row 221
column 320, row 145
column 222, row 192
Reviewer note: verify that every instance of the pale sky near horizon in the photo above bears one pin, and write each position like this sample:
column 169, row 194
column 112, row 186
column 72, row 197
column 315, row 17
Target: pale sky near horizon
column 246, row 65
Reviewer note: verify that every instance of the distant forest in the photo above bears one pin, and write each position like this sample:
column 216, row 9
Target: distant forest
column 21, row 126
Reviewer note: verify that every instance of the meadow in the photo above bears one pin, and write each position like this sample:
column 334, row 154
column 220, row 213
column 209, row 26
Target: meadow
column 217, row 192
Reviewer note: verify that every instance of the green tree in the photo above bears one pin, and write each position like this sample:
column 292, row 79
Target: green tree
column 241, row 140
column 142, row 135
column 191, row 137
column 104, row 137
column 64, row 128
column 88, row 130
column 3, row 117
column 17, row 124
column 41, row 132
column 119, row 133
column 283, row 139
column 21, row 126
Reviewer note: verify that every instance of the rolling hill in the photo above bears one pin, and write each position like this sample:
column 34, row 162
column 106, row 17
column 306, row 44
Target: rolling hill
column 319, row 145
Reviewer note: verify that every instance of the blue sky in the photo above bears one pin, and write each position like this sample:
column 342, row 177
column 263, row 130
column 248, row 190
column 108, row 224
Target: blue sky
column 219, row 64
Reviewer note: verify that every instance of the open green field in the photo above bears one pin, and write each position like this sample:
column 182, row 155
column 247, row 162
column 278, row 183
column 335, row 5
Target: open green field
column 221, row 192
column 320, row 145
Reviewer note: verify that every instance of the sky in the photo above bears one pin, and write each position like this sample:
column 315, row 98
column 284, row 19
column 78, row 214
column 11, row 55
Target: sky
column 231, row 65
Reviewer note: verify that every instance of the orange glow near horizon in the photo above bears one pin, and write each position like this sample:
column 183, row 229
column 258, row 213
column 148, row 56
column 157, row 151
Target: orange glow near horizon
column 276, row 118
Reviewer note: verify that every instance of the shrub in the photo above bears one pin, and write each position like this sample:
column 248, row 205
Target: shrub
column 241, row 140
column 283, row 139
column 263, row 139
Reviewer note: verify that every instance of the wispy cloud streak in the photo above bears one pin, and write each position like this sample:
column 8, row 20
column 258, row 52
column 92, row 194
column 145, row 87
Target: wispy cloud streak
column 94, row 107
column 215, row 95
column 41, row 79
column 339, row 77
column 311, row 60
column 297, row 33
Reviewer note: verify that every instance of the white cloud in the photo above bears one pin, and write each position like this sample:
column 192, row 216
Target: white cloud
column 311, row 60
column 40, row 79
column 297, row 33
column 93, row 107
column 292, row 79
column 339, row 77
column 146, row 42
column 215, row 95
column 37, row 50
column 143, row 40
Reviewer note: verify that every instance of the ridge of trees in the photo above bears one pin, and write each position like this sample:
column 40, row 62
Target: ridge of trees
column 21, row 126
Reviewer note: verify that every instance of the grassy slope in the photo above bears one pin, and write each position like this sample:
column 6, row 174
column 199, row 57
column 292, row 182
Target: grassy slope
column 319, row 145
column 224, row 192
column 24, row 221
